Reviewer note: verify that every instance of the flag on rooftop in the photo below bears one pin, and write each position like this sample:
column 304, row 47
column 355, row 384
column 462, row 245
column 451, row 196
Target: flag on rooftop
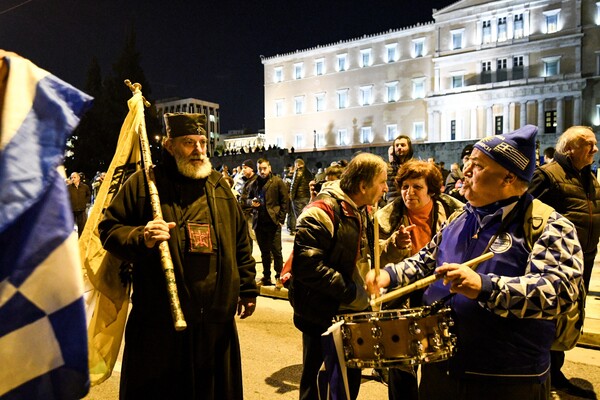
column 43, row 342
column 108, row 300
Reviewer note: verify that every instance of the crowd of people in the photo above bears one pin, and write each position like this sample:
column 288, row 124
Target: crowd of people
column 415, row 217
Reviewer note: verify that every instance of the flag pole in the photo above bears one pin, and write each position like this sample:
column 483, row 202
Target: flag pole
column 165, row 254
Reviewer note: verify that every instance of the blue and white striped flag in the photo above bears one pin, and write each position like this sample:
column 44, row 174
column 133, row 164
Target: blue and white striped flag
column 333, row 384
column 43, row 340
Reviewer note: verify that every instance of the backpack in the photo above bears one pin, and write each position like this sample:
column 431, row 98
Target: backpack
column 570, row 324
column 286, row 271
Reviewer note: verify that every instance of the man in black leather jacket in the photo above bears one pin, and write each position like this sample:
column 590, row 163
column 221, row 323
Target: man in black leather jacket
column 330, row 260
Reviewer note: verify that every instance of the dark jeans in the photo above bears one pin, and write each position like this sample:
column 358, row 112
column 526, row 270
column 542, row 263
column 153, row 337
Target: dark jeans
column 436, row 384
column 268, row 236
column 80, row 220
column 297, row 206
column 312, row 359
column 402, row 385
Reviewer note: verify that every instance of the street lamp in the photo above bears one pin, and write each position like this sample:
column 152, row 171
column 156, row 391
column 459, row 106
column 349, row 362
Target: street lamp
column 314, row 140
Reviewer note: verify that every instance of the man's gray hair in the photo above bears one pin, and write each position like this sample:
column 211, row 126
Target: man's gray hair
column 364, row 167
column 571, row 139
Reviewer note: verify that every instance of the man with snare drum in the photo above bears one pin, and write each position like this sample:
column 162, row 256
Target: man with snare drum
column 330, row 261
column 504, row 311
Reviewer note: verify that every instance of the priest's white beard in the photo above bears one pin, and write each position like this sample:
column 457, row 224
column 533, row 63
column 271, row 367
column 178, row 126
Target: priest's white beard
column 189, row 170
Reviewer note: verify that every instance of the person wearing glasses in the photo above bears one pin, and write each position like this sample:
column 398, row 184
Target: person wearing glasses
column 214, row 271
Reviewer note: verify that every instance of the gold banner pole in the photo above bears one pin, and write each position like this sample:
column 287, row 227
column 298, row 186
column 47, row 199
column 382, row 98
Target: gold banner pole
column 165, row 254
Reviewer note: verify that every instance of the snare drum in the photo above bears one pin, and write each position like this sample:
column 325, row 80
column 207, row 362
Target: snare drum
column 397, row 337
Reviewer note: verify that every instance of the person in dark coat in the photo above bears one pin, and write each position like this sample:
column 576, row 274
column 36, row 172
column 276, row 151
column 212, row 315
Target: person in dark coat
column 80, row 196
column 268, row 195
column 299, row 189
column 214, row 271
column 569, row 186
column 399, row 152
column 330, row 261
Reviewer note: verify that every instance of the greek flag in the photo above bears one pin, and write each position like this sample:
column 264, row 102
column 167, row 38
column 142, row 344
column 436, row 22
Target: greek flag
column 333, row 378
column 43, row 340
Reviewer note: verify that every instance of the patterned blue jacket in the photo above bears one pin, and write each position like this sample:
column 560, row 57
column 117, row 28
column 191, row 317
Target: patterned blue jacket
column 506, row 333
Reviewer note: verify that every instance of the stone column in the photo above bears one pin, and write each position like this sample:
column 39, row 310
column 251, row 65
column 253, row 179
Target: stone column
column 523, row 114
column 436, row 125
column 473, row 128
column 540, row 116
column 506, row 118
column 577, row 110
column 430, row 126
column 560, row 115
column 489, row 121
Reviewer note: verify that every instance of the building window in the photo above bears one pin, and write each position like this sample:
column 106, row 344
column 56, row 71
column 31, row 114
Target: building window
column 501, row 71
column 366, row 134
column 453, row 129
column 278, row 74
column 486, row 32
column 518, row 28
column 342, row 60
column 418, row 48
column 458, row 37
column 391, row 52
column 365, row 58
column 320, row 139
column 597, row 121
column 299, row 141
column 419, row 130
column 551, row 25
column 279, row 107
column 366, row 95
column 458, row 81
column 392, row 91
column 486, row 71
column 550, row 121
column 391, row 131
column 502, row 35
column 299, row 104
column 298, row 70
column 342, row 137
column 320, row 101
column 319, row 66
column 498, row 125
column 279, row 141
column 551, row 66
column 418, row 85
column 598, row 13
column 518, row 69
column 342, row 98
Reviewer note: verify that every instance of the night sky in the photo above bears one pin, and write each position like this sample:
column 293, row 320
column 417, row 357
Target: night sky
column 208, row 50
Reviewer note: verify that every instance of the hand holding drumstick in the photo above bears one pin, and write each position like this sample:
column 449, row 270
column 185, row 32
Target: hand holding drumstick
column 462, row 277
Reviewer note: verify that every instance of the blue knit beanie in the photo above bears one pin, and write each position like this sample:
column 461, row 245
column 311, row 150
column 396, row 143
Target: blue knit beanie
column 515, row 151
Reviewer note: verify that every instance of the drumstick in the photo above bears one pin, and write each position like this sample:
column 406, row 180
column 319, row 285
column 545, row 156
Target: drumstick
column 376, row 260
column 426, row 281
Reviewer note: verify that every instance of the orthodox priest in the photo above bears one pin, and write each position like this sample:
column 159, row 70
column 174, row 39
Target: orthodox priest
column 214, row 269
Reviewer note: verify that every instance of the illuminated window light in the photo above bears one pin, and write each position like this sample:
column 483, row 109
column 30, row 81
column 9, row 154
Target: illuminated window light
column 551, row 21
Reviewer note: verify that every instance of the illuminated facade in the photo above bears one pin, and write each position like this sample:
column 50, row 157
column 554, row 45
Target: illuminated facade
column 480, row 68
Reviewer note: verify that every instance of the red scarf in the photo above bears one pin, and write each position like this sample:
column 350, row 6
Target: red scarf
column 421, row 234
